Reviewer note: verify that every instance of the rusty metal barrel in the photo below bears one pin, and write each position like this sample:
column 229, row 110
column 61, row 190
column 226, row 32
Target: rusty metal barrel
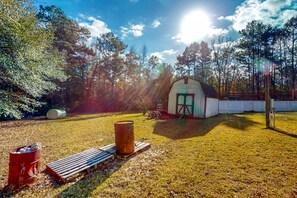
column 124, row 137
column 23, row 167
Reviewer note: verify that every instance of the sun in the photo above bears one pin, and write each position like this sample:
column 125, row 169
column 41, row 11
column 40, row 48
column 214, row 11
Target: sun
column 195, row 25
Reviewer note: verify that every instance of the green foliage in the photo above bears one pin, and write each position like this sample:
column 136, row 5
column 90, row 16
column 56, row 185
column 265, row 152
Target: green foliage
column 104, row 76
column 224, row 64
column 28, row 61
column 256, row 44
column 195, row 61
column 70, row 39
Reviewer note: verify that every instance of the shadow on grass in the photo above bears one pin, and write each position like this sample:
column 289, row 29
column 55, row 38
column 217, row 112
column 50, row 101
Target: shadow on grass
column 188, row 128
column 92, row 179
column 283, row 132
column 238, row 121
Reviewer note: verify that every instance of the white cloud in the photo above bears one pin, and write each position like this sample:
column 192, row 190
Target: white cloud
column 135, row 29
column 221, row 18
column 170, row 52
column 156, row 23
column 95, row 26
column 81, row 15
column 125, row 31
column 274, row 12
column 217, row 32
column 211, row 32
column 160, row 56
column 164, row 55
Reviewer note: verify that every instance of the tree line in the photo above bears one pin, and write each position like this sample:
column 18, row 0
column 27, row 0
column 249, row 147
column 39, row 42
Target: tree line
column 48, row 61
column 237, row 67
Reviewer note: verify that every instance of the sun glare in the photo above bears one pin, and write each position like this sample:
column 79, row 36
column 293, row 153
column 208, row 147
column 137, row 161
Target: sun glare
column 195, row 26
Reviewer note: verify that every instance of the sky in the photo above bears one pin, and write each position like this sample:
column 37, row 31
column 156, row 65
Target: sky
column 166, row 27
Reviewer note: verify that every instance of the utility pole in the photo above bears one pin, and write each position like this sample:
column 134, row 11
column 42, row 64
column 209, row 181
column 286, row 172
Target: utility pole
column 267, row 99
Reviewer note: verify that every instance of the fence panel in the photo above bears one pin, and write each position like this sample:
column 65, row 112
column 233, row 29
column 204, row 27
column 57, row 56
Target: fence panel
column 240, row 106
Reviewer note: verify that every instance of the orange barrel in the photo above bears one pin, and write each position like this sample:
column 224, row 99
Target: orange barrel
column 124, row 136
column 23, row 167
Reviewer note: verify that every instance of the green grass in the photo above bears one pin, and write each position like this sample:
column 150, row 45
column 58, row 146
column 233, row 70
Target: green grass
column 223, row 156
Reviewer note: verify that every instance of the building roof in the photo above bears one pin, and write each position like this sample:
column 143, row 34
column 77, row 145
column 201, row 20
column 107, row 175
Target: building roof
column 209, row 91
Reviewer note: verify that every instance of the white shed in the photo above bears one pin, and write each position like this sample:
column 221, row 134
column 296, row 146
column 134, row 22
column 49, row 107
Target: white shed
column 192, row 98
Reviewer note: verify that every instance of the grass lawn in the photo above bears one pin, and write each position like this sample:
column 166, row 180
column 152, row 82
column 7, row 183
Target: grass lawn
column 223, row 156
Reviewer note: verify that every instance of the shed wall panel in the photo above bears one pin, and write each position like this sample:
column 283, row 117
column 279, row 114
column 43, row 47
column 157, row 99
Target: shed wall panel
column 212, row 107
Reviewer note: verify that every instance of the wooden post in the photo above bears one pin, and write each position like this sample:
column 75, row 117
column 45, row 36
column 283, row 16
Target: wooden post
column 267, row 100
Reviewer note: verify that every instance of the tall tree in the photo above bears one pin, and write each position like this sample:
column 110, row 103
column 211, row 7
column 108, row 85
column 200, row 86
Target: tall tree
column 195, row 61
column 69, row 39
column 290, row 29
column 111, row 49
column 256, row 46
column 224, row 64
column 28, row 61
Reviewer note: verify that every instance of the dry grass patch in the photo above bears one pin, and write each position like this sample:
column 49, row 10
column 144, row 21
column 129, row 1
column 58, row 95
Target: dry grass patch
column 227, row 155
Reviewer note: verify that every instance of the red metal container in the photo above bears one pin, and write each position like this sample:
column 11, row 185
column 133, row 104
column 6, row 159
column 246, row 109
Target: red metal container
column 124, row 137
column 23, row 167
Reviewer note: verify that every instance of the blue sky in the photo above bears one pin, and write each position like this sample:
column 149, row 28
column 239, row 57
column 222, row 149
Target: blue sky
column 166, row 27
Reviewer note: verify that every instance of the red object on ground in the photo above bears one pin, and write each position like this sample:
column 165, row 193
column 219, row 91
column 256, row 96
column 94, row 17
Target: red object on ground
column 23, row 167
column 124, row 137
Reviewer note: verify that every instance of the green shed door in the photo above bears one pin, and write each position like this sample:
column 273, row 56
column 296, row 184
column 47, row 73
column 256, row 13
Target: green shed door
column 185, row 104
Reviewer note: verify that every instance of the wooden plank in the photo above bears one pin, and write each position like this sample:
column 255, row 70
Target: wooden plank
column 73, row 171
column 73, row 157
column 82, row 163
column 140, row 146
column 84, row 159
column 74, row 164
column 111, row 147
column 62, row 166
column 69, row 166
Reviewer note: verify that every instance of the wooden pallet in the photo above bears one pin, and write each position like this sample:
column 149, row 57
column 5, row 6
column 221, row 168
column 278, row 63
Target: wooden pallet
column 69, row 166
column 74, row 164
column 139, row 146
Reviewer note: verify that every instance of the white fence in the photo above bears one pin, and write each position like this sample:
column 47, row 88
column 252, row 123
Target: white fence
column 212, row 107
column 240, row 106
column 285, row 105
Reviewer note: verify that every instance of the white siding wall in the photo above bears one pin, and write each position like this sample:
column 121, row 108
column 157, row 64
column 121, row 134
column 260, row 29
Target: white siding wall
column 193, row 87
column 212, row 107
column 239, row 106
